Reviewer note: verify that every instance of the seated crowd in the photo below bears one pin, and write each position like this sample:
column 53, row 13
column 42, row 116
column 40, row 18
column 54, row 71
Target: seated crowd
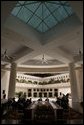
column 22, row 104
column 13, row 105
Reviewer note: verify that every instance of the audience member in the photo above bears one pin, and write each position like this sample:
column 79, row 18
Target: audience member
column 4, row 96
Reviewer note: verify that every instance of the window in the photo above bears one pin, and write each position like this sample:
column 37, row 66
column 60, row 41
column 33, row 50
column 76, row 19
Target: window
column 29, row 94
column 37, row 89
column 45, row 94
column 50, row 94
column 55, row 90
column 40, row 94
column 35, row 94
column 41, row 89
column 56, row 94
column 29, row 89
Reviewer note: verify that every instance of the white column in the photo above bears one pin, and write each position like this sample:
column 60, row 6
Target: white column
column 48, row 94
column 37, row 94
column 79, row 75
column 32, row 92
column 12, row 80
column 74, row 89
column 53, row 92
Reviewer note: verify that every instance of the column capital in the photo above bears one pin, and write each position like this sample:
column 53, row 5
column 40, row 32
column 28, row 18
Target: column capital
column 71, row 64
column 13, row 63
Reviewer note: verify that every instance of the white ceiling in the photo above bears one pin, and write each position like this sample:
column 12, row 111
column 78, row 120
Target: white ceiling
column 59, row 44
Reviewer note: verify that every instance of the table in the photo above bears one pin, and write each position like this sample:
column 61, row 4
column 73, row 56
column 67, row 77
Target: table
column 57, row 109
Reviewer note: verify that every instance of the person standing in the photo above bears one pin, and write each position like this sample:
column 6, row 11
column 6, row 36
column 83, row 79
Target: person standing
column 4, row 94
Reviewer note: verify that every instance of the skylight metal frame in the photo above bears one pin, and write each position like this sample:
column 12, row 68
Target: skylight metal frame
column 64, row 8
column 42, row 18
column 37, row 16
column 51, row 13
column 25, row 4
column 64, row 4
column 34, row 12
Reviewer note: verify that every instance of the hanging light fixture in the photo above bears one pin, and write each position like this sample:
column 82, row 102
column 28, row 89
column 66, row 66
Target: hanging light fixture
column 44, row 60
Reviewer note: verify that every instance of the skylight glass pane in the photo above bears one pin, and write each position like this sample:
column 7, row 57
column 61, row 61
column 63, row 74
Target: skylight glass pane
column 32, row 7
column 63, row 2
column 62, row 12
column 40, row 28
column 51, row 21
column 28, row 2
column 57, row 15
column 34, row 21
column 45, row 11
column 15, row 10
column 45, row 28
column 39, row 12
column 54, row 2
column 24, row 14
column 69, row 10
column 21, row 2
column 42, row 11
column 18, row 4
column 52, row 7
column 42, row 15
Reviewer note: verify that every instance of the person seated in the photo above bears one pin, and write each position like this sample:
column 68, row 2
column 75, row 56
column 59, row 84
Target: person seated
column 47, row 99
column 61, row 95
column 58, row 101
column 4, row 96
column 30, row 101
column 65, row 101
column 40, row 99
column 14, row 104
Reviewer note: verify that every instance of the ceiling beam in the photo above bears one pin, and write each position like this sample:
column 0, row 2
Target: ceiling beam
column 27, row 57
column 28, row 34
column 60, row 55
column 42, row 70
column 39, row 70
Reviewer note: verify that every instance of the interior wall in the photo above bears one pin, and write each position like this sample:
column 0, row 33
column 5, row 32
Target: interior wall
column 64, row 90
column 18, row 89
column 5, row 75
